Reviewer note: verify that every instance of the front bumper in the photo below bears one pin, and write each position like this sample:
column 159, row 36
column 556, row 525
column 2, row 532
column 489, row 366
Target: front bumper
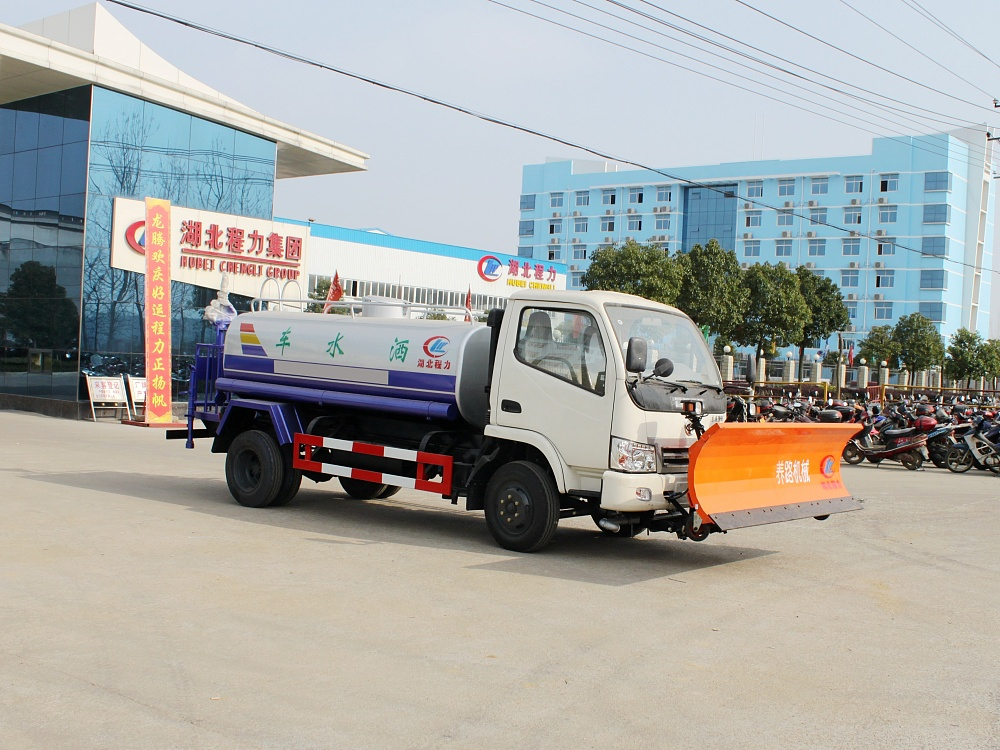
column 620, row 492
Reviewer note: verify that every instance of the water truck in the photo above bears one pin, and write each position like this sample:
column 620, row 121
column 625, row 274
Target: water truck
column 564, row 404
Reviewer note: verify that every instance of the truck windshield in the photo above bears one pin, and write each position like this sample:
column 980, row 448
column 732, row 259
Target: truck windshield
column 667, row 335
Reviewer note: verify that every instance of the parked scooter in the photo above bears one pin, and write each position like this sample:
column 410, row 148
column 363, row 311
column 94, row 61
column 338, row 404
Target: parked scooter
column 904, row 445
column 977, row 447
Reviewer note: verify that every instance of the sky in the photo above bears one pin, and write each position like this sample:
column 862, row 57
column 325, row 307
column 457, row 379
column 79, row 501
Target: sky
column 442, row 176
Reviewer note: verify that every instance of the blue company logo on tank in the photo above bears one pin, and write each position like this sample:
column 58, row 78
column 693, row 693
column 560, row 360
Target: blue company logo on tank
column 436, row 346
column 490, row 268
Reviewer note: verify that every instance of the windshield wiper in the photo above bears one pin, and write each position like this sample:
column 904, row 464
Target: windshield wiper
column 671, row 383
column 715, row 388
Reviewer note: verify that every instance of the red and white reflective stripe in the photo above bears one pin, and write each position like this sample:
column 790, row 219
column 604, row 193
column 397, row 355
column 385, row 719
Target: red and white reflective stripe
column 302, row 458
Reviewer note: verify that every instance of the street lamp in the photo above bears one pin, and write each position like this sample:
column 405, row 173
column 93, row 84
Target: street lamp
column 727, row 348
column 863, row 361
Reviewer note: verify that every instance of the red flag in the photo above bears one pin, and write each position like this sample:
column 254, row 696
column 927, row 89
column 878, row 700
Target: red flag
column 335, row 293
column 468, row 306
column 850, row 355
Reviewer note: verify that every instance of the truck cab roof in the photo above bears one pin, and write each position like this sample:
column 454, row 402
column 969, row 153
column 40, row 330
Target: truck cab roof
column 593, row 297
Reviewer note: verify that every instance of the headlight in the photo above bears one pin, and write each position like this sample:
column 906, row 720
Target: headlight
column 635, row 457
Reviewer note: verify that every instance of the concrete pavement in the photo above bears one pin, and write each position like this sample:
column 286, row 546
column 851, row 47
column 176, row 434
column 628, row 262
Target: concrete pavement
column 140, row 607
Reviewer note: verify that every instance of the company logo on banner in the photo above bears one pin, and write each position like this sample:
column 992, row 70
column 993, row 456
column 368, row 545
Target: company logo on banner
column 208, row 244
column 522, row 274
column 158, row 367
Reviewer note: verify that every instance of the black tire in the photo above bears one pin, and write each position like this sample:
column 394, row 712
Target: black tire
column 255, row 471
column 522, row 507
column 627, row 530
column 992, row 462
column 960, row 459
column 852, row 453
column 911, row 460
column 291, row 481
column 359, row 489
column 388, row 491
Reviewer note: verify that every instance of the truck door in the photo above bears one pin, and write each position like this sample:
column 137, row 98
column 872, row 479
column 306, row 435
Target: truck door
column 558, row 383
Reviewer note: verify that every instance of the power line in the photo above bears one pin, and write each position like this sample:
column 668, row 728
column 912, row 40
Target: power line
column 915, row 49
column 964, row 123
column 833, row 46
column 497, row 121
column 942, row 25
column 934, row 149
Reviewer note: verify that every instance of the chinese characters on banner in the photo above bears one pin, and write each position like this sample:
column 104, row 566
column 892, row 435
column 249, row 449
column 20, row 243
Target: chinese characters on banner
column 158, row 398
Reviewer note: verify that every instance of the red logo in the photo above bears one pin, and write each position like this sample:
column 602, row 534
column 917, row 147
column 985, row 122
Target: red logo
column 490, row 268
column 135, row 236
column 827, row 466
column 436, row 347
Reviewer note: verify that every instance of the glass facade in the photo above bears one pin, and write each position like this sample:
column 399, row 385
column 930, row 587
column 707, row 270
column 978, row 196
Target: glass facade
column 710, row 214
column 43, row 178
column 63, row 159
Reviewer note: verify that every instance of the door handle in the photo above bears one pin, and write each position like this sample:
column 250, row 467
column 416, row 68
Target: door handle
column 512, row 406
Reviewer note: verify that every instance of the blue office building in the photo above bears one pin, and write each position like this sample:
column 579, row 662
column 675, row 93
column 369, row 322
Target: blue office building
column 907, row 228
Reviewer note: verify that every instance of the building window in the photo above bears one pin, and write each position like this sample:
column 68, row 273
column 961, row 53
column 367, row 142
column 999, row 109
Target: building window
column 662, row 222
column 635, row 223
column 849, row 279
column 934, row 246
column 555, row 252
column 528, row 202
column 555, row 226
column 608, row 197
column 887, row 214
column 936, row 213
column 852, row 215
column 753, row 218
column 817, row 247
column 854, row 183
column 783, row 248
column 579, row 252
column 580, row 225
column 784, row 218
column 526, row 228
column 755, row 189
column 525, row 252
column 583, row 198
column 852, row 246
column 607, row 223
column 886, row 246
column 852, row 310
column 575, row 278
column 883, row 311
column 663, row 193
column 556, row 200
column 937, row 181
column 817, row 216
column 635, row 195
column 885, row 279
column 820, row 185
column 933, row 311
column 888, row 183
column 751, row 248
column 933, row 279
column 786, row 187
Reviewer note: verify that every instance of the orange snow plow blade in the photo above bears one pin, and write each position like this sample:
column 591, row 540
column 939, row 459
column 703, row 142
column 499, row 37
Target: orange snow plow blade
column 748, row 474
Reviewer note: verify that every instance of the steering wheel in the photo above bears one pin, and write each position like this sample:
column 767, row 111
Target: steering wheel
column 539, row 363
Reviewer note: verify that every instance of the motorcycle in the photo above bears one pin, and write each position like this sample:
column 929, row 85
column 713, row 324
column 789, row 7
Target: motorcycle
column 904, row 445
column 978, row 447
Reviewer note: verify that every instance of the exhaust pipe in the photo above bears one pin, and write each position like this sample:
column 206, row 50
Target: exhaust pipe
column 608, row 525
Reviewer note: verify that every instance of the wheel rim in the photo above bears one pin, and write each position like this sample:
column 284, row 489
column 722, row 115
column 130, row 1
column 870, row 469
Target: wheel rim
column 514, row 510
column 248, row 470
column 960, row 460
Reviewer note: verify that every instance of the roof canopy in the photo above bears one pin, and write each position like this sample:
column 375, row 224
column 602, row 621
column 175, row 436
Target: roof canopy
column 89, row 46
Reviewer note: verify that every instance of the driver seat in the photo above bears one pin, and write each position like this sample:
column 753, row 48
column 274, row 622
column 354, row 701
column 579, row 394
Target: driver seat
column 538, row 337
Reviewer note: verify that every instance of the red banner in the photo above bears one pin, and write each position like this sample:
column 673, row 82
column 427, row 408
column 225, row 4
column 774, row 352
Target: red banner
column 157, row 241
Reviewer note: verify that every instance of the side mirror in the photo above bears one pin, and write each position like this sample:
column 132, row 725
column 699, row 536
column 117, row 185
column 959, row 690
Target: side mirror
column 635, row 355
column 663, row 368
column 751, row 370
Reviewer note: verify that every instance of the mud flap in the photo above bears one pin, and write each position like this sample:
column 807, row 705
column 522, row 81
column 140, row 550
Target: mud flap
column 748, row 474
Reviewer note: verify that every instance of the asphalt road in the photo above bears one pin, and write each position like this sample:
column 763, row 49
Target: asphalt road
column 140, row 607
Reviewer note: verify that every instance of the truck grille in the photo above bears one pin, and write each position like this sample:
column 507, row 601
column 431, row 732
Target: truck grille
column 674, row 460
